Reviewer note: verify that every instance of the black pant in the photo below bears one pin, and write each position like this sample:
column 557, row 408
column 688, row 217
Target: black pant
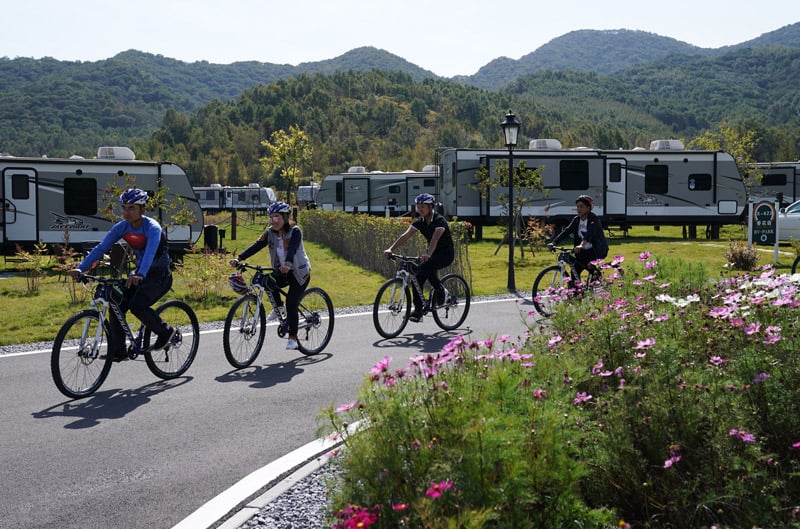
column 139, row 300
column 583, row 260
column 427, row 272
column 275, row 282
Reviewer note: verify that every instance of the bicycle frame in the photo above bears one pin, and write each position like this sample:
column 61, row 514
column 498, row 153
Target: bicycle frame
column 102, row 304
column 255, row 288
column 405, row 274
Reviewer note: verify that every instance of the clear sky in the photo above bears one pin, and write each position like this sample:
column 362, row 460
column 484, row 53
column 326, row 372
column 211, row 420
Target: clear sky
column 447, row 37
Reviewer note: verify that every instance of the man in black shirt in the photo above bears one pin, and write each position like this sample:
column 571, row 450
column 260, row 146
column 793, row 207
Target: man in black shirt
column 439, row 254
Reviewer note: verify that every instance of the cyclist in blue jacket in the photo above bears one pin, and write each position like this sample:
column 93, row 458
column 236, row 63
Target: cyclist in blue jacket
column 152, row 277
column 439, row 253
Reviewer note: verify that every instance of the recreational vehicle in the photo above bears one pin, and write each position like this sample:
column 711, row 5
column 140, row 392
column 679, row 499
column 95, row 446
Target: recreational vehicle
column 307, row 195
column 777, row 177
column 663, row 185
column 376, row 192
column 216, row 198
column 51, row 200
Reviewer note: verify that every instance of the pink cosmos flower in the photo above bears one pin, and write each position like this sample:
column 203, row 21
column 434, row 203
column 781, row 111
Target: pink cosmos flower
column 746, row 437
column 436, row 489
column 752, row 328
column 539, row 394
column 581, row 397
column 644, row 256
column 345, row 407
column 645, row 344
column 761, row 377
column 381, row 366
column 718, row 361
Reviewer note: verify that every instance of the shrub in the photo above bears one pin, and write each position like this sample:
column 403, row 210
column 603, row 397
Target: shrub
column 742, row 256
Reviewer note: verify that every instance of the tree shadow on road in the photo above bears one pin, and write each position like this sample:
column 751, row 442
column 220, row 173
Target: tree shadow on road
column 107, row 404
column 270, row 375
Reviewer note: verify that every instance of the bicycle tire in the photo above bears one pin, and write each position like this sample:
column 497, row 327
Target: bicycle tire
column 79, row 374
column 795, row 264
column 392, row 308
column 549, row 290
column 173, row 360
column 452, row 313
column 243, row 335
column 316, row 321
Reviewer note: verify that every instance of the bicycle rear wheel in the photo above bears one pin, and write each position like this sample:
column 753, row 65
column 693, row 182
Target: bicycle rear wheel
column 80, row 360
column 549, row 289
column 392, row 308
column 316, row 321
column 452, row 313
column 243, row 334
column 173, row 360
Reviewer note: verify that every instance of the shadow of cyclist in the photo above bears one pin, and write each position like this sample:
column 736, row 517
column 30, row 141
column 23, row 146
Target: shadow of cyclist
column 270, row 375
column 107, row 404
column 426, row 343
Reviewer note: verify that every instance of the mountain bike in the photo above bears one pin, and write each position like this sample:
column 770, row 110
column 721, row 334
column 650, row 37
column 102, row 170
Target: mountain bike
column 245, row 325
column 392, row 307
column 85, row 346
column 561, row 281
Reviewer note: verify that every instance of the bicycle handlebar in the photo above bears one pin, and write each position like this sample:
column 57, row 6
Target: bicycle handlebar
column 406, row 258
column 86, row 278
column 242, row 266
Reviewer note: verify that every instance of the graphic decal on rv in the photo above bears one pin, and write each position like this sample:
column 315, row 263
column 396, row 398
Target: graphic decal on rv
column 643, row 199
column 62, row 222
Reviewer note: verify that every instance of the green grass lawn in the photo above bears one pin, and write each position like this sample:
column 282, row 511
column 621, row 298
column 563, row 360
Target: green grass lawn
column 37, row 316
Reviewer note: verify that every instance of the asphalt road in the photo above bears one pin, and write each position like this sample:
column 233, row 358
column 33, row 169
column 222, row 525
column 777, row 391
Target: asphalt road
column 145, row 453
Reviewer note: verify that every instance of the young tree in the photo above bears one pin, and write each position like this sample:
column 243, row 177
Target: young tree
column 287, row 153
column 739, row 143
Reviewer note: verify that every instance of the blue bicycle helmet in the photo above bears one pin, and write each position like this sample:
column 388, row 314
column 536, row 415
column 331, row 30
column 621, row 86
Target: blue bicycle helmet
column 424, row 198
column 133, row 196
column 279, row 207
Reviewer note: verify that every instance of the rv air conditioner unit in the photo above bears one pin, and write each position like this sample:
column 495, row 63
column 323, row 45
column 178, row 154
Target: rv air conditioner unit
column 115, row 153
column 545, row 144
column 666, row 145
column 357, row 169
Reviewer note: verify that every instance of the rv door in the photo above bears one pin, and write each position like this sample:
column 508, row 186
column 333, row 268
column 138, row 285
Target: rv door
column 19, row 205
column 614, row 203
column 356, row 195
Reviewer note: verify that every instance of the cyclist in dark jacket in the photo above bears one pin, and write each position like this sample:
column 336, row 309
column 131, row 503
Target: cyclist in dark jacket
column 153, row 275
column 439, row 254
column 587, row 234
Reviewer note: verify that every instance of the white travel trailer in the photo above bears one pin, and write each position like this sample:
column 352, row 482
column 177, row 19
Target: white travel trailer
column 215, row 198
column 663, row 185
column 376, row 192
column 43, row 198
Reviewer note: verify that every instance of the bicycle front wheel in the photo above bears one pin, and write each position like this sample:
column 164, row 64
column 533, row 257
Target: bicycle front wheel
column 316, row 321
column 549, row 289
column 453, row 311
column 392, row 308
column 244, row 333
column 173, row 360
column 80, row 360
column 795, row 264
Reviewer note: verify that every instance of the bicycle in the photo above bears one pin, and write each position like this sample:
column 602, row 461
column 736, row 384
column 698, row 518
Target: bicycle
column 392, row 307
column 795, row 264
column 560, row 282
column 245, row 324
column 83, row 348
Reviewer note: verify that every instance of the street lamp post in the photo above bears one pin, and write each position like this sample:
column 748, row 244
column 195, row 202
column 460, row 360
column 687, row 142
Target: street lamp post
column 511, row 126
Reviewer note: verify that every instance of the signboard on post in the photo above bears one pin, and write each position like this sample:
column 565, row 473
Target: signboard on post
column 764, row 223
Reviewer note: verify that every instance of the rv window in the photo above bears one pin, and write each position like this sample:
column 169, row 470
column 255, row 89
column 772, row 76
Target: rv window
column 773, row 179
column 429, row 182
column 615, row 172
column 656, row 179
column 699, row 182
column 80, row 196
column 574, row 174
column 19, row 187
column 394, row 189
column 338, row 191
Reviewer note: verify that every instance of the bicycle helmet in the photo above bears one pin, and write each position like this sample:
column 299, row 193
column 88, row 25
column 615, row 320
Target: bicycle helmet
column 133, row 196
column 424, row 198
column 279, row 207
column 237, row 283
column 586, row 199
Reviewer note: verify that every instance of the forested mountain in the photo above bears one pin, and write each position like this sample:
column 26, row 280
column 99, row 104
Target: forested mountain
column 585, row 88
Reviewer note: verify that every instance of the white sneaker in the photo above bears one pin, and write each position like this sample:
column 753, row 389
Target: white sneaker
column 272, row 316
column 291, row 344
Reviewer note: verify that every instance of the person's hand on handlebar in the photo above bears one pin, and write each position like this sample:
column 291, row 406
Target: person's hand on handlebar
column 550, row 246
column 75, row 273
column 234, row 262
column 388, row 253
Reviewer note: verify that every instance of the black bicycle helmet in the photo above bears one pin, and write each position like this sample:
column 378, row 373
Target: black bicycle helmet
column 279, row 207
column 133, row 196
column 237, row 283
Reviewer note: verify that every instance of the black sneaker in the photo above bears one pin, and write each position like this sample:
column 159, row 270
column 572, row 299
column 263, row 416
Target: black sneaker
column 163, row 339
column 440, row 297
column 118, row 355
column 415, row 316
